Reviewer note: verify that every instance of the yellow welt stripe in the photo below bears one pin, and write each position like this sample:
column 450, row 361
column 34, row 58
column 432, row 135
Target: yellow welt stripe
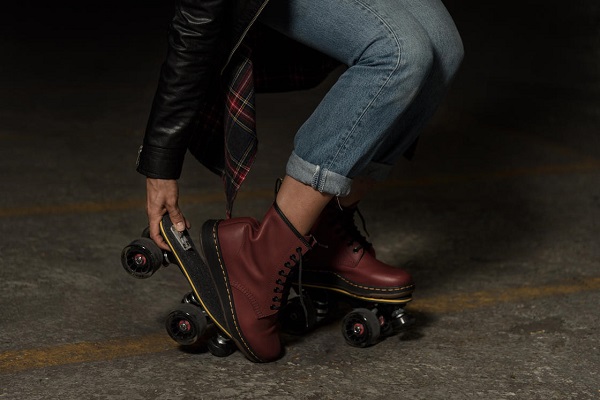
column 466, row 301
column 189, row 279
column 21, row 360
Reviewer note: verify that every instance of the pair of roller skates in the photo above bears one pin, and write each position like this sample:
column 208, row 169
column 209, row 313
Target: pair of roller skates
column 313, row 299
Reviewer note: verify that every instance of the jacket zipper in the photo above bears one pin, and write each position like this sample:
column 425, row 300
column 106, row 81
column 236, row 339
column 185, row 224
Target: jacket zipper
column 243, row 36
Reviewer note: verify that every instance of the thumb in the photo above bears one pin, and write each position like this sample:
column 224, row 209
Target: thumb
column 177, row 219
column 180, row 226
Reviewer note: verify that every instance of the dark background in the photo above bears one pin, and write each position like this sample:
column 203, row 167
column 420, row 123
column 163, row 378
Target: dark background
column 497, row 218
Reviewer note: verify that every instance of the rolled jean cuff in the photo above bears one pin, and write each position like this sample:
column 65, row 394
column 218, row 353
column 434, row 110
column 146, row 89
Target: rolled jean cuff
column 377, row 171
column 319, row 178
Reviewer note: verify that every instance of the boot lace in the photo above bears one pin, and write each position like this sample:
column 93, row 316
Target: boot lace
column 281, row 289
column 351, row 231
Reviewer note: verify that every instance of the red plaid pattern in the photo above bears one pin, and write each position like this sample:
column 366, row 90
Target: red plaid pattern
column 228, row 141
column 241, row 141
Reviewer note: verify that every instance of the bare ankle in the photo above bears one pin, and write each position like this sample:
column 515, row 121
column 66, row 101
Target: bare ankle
column 301, row 204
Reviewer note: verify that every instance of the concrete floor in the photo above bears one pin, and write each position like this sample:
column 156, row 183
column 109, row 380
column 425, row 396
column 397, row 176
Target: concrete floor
column 497, row 219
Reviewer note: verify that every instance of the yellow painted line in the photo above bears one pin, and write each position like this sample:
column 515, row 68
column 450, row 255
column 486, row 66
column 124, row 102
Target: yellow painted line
column 23, row 360
column 468, row 301
column 215, row 197
column 542, row 170
column 120, row 205
column 96, row 207
column 77, row 208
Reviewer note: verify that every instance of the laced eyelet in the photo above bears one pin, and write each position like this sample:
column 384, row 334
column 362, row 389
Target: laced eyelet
column 280, row 289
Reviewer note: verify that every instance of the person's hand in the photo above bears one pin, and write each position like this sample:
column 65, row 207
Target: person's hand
column 162, row 196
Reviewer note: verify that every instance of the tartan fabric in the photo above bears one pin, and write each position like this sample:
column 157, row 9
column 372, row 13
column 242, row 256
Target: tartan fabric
column 241, row 142
column 266, row 61
column 227, row 142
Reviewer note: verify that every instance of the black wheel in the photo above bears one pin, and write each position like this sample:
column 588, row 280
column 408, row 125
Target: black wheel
column 186, row 324
column 142, row 258
column 296, row 319
column 220, row 346
column 361, row 328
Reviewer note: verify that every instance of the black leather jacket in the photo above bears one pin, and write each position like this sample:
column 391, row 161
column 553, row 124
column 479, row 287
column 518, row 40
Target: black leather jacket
column 203, row 36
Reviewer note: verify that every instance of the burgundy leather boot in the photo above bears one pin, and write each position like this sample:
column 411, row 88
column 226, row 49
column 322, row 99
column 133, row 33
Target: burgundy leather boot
column 345, row 261
column 247, row 264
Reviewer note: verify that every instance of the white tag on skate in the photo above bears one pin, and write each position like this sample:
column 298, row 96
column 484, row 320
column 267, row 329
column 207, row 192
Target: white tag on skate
column 181, row 238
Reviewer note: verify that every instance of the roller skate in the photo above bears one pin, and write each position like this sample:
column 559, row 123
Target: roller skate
column 342, row 270
column 187, row 323
column 238, row 277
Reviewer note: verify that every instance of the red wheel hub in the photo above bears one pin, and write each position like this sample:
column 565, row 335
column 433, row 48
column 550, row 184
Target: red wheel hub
column 359, row 329
column 140, row 259
column 184, row 326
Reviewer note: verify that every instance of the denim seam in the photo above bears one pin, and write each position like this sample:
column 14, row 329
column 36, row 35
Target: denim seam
column 317, row 177
column 398, row 42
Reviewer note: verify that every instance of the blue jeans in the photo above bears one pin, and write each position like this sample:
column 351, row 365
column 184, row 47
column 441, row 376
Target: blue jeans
column 401, row 56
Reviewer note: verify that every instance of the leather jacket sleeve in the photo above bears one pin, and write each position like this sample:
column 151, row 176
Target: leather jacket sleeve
column 195, row 52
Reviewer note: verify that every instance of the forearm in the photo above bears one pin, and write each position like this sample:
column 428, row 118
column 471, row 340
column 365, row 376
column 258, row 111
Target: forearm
column 191, row 66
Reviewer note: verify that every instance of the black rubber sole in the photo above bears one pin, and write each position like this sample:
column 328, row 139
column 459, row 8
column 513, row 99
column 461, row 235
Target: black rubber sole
column 326, row 280
column 220, row 297
column 208, row 279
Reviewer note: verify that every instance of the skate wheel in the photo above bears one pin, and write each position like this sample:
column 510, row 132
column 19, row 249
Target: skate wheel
column 360, row 328
column 186, row 324
column 220, row 346
column 295, row 319
column 146, row 232
column 142, row 258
